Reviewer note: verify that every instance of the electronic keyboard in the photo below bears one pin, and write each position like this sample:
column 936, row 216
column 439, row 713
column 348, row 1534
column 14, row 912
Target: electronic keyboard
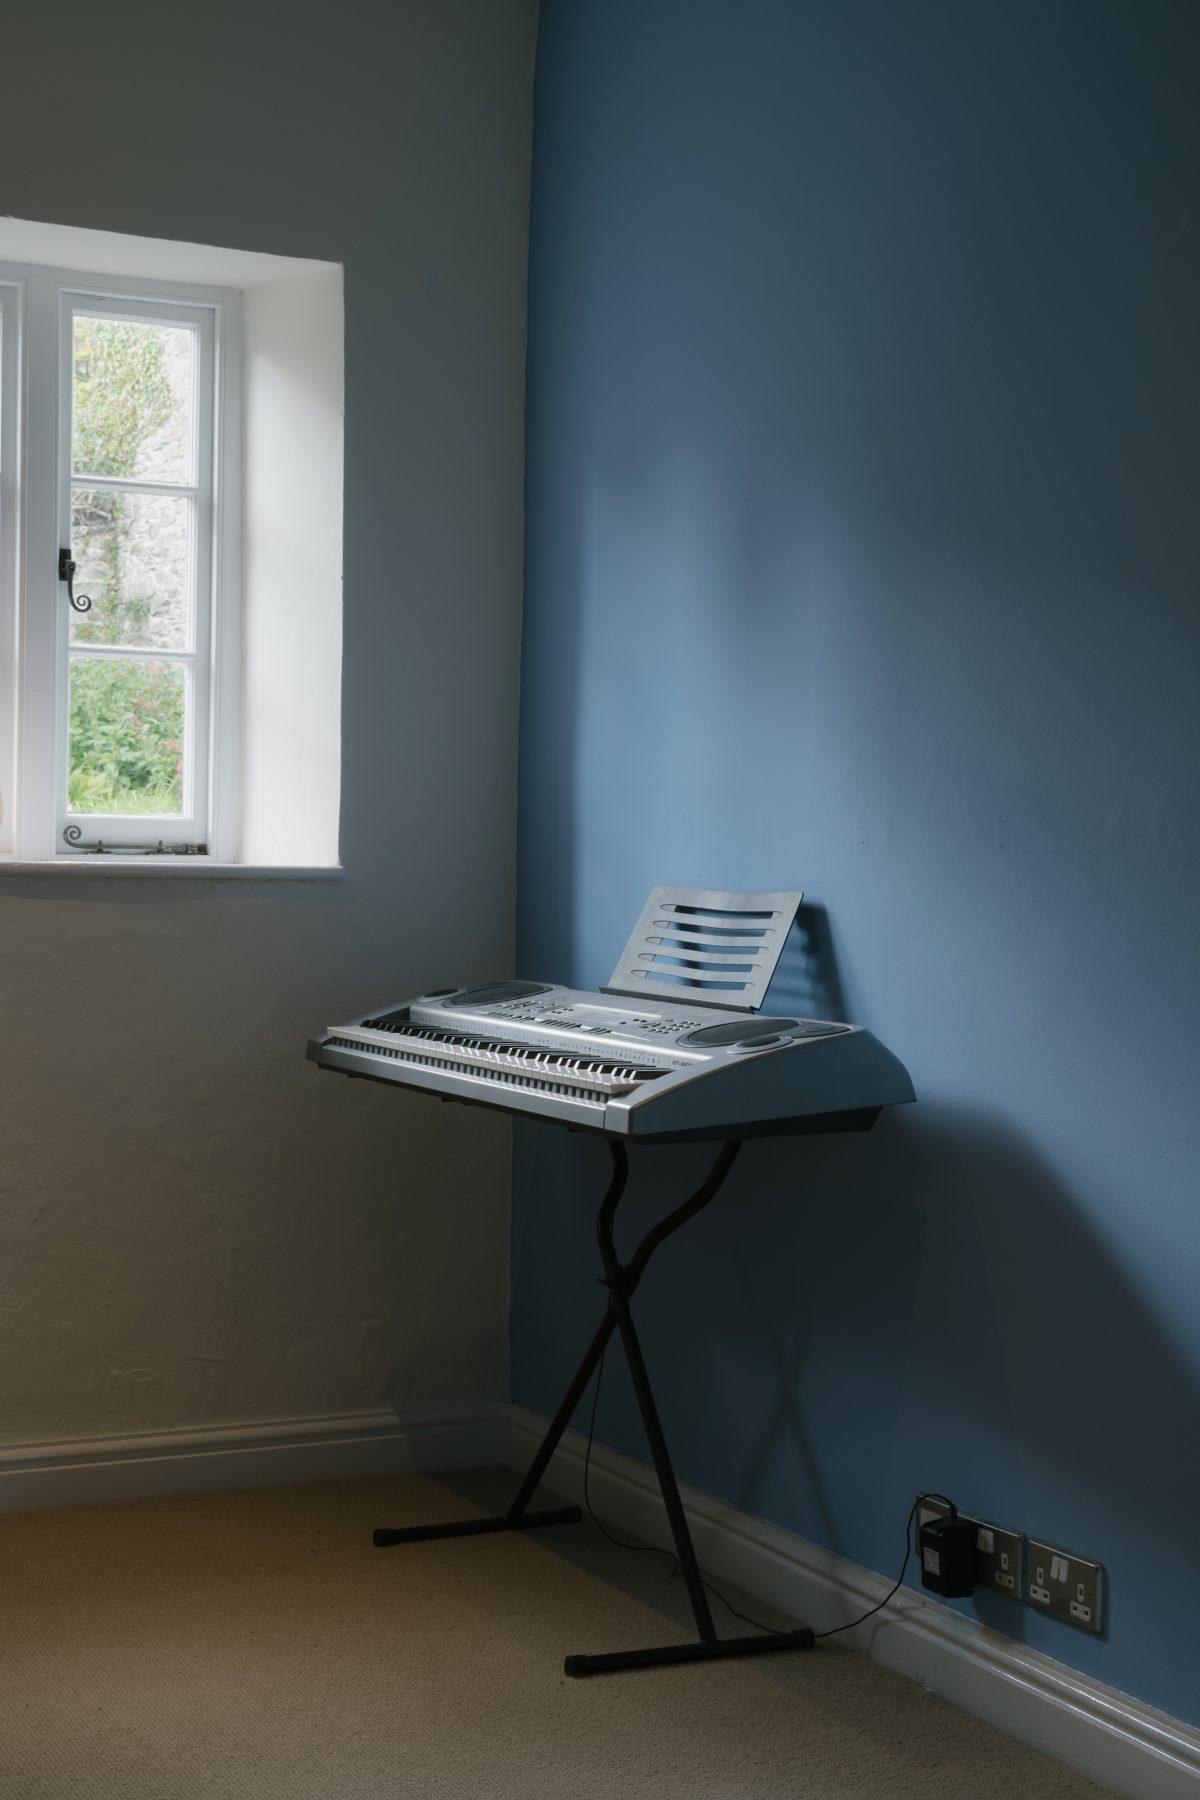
column 677, row 1052
column 676, row 1047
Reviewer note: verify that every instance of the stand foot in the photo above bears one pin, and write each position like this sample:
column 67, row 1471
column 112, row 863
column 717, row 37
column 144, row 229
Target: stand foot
column 613, row 1660
column 413, row 1534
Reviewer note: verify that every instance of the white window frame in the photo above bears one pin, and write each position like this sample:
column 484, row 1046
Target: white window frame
column 10, row 552
column 43, row 302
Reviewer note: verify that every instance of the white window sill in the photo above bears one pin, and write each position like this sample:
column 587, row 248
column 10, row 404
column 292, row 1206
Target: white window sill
column 158, row 868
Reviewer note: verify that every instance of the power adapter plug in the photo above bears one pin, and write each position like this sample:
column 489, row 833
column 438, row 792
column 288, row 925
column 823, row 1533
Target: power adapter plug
column 948, row 1554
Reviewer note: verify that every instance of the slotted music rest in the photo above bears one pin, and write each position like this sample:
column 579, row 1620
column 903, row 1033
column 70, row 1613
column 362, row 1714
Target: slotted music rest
column 706, row 947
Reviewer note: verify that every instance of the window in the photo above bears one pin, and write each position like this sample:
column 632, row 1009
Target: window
column 170, row 555
column 134, row 645
column 130, row 600
column 10, row 378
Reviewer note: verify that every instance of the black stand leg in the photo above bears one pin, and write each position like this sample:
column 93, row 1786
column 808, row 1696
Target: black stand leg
column 621, row 1283
column 621, row 1280
column 518, row 1518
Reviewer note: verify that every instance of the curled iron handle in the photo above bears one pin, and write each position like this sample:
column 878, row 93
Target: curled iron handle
column 66, row 572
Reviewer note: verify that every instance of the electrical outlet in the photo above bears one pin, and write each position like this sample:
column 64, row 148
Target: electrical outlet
column 999, row 1552
column 1066, row 1586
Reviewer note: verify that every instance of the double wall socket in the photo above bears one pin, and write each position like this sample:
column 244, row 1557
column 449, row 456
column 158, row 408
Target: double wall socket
column 1066, row 1586
column 999, row 1553
column 1054, row 1581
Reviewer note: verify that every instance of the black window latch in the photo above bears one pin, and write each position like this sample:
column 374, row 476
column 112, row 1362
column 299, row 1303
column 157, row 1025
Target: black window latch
column 66, row 572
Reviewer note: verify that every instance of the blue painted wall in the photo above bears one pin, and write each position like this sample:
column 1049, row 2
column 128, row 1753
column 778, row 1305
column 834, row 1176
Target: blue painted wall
column 862, row 554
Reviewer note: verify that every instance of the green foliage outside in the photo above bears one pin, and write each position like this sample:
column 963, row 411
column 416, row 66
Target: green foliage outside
column 122, row 395
column 126, row 737
column 127, row 717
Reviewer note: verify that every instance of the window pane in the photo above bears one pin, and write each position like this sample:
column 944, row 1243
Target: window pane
column 132, row 552
column 133, row 399
column 127, row 736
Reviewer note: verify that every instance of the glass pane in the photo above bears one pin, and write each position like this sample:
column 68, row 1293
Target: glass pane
column 127, row 736
column 132, row 552
column 133, row 399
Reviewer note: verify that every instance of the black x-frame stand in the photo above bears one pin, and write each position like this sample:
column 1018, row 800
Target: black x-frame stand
column 621, row 1279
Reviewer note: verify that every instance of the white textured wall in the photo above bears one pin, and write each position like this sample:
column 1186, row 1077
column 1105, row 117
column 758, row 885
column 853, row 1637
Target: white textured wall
column 195, row 1225
column 292, row 389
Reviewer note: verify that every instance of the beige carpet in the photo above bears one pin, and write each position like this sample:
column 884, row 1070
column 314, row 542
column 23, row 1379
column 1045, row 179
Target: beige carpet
column 256, row 1644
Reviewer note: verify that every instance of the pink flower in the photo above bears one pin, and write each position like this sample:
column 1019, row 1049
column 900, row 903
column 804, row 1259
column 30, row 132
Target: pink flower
column 179, row 767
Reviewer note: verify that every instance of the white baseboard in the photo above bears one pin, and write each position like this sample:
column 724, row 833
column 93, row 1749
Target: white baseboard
column 267, row 1454
column 1125, row 1746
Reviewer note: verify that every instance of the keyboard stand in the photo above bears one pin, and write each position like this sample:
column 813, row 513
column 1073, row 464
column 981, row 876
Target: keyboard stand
column 621, row 1279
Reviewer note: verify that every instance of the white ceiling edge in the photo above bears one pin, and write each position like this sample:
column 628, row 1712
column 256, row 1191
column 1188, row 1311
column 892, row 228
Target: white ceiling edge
column 156, row 259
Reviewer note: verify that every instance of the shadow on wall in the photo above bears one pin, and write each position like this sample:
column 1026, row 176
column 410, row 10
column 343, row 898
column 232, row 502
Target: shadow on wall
column 931, row 1236
column 949, row 1218
column 806, row 982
